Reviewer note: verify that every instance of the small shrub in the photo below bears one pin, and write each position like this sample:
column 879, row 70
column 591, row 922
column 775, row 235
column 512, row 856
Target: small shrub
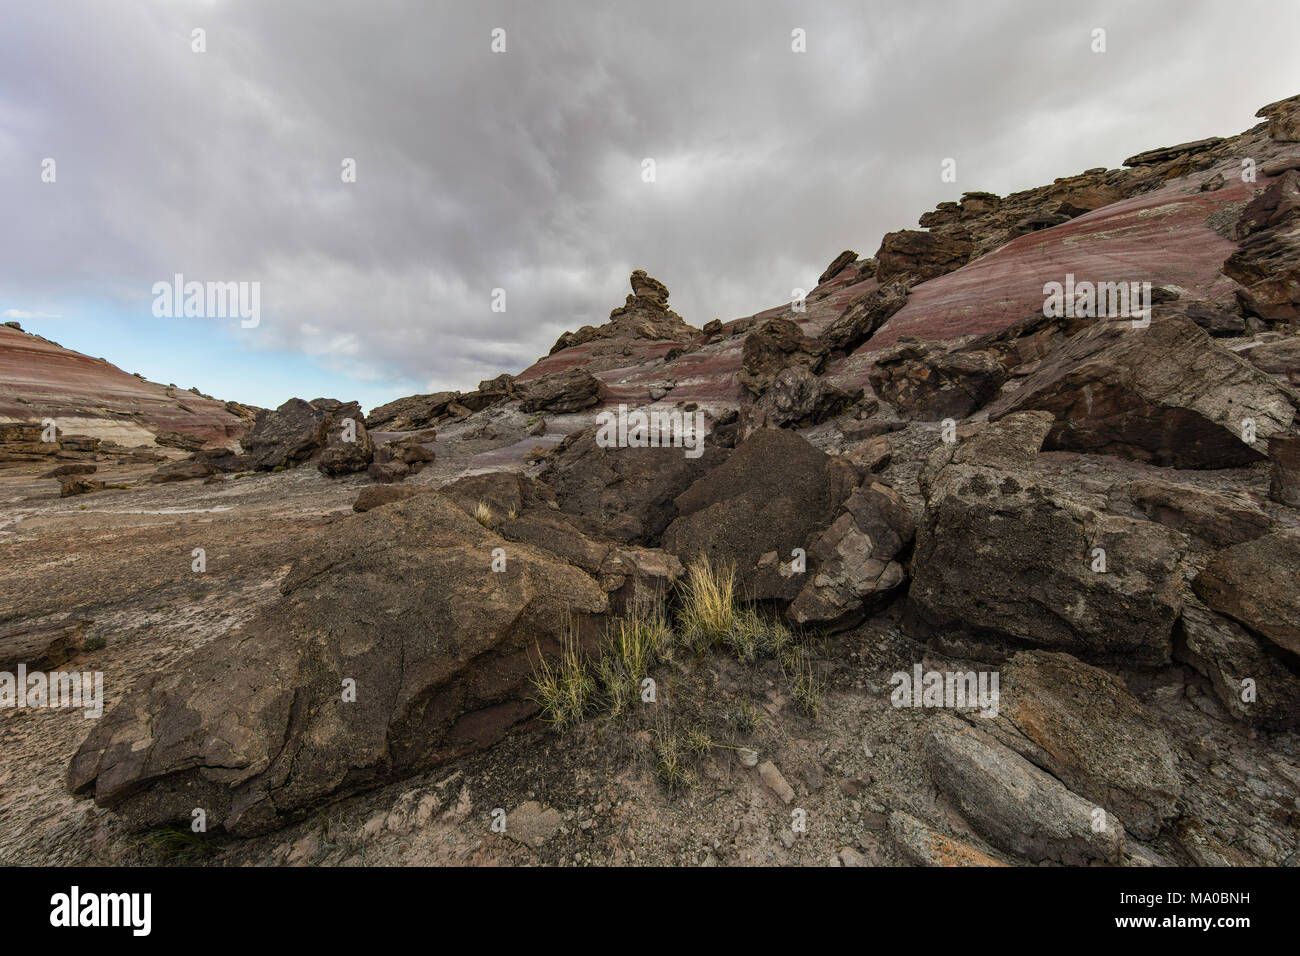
column 483, row 514
column 670, row 761
column 564, row 689
column 708, row 610
column 743, row 716
column 808, row 688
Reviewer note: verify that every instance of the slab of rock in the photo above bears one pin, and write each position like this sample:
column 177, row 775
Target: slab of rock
column 1217, row 519
column 415, row 411
column 917, row 256
column 286, row 436
column 838, row 265
column 70, row 485
column 376, row 496
column 298, row 431
column 932, row 383
column 41, row 646
column 255, row 727
column 926, row 846
column 1094, row 736
column 863, row 316
column 562, row 392
column 1013, row 804
column 773, row 493
column 1254, row 583
column 1163, row 154
column 855, row 559
column 1280, row 358
column 1166, row 394
column 1004, row 551
column 1227, row 655
column 196, row 466
column 1267, row 265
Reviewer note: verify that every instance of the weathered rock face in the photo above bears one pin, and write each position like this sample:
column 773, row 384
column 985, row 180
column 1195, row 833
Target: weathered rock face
column 1268, row 267
column 838, row 265
column 856, row 559
column 1255, row 583
column 1276, row 205
column 415, row 411
column 1165, row 394
column 562, row 392
column 1267, row 263
column 625, row 493
column 1251, row 684
column 25, row 441
column 1280, row 358
column 864, row 315
column 402, row 600
column 348, row 446
column 1012, row 803
column 1090, row 732
column 1003, row 552
column 1216, row 519
column 40, row 647
column 1283, row 119
column 917, row 256
column 772, row 494
column 778, row 345
column 930, row 384
column 796, row 397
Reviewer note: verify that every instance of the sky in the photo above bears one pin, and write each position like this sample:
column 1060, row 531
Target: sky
column 523, row 169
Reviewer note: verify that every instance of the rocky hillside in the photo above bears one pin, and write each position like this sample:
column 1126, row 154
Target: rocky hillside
column 967, row 571
column 97, row 407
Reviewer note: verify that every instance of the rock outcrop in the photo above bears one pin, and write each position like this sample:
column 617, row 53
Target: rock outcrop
column 771, row 496
column 1166, row 394
column 394, row 646
column 331, row 432
column 1004, row 552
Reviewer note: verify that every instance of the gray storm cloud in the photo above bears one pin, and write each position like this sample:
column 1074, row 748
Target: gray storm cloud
column 522, row 170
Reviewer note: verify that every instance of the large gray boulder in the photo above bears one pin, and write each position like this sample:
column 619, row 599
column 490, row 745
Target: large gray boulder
column 1255, row 583
column 257, row 727
column 1003, row 552
column 1015, row 805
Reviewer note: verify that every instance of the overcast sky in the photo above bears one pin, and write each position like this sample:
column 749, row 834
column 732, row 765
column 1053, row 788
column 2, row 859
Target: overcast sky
column 523, row 170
